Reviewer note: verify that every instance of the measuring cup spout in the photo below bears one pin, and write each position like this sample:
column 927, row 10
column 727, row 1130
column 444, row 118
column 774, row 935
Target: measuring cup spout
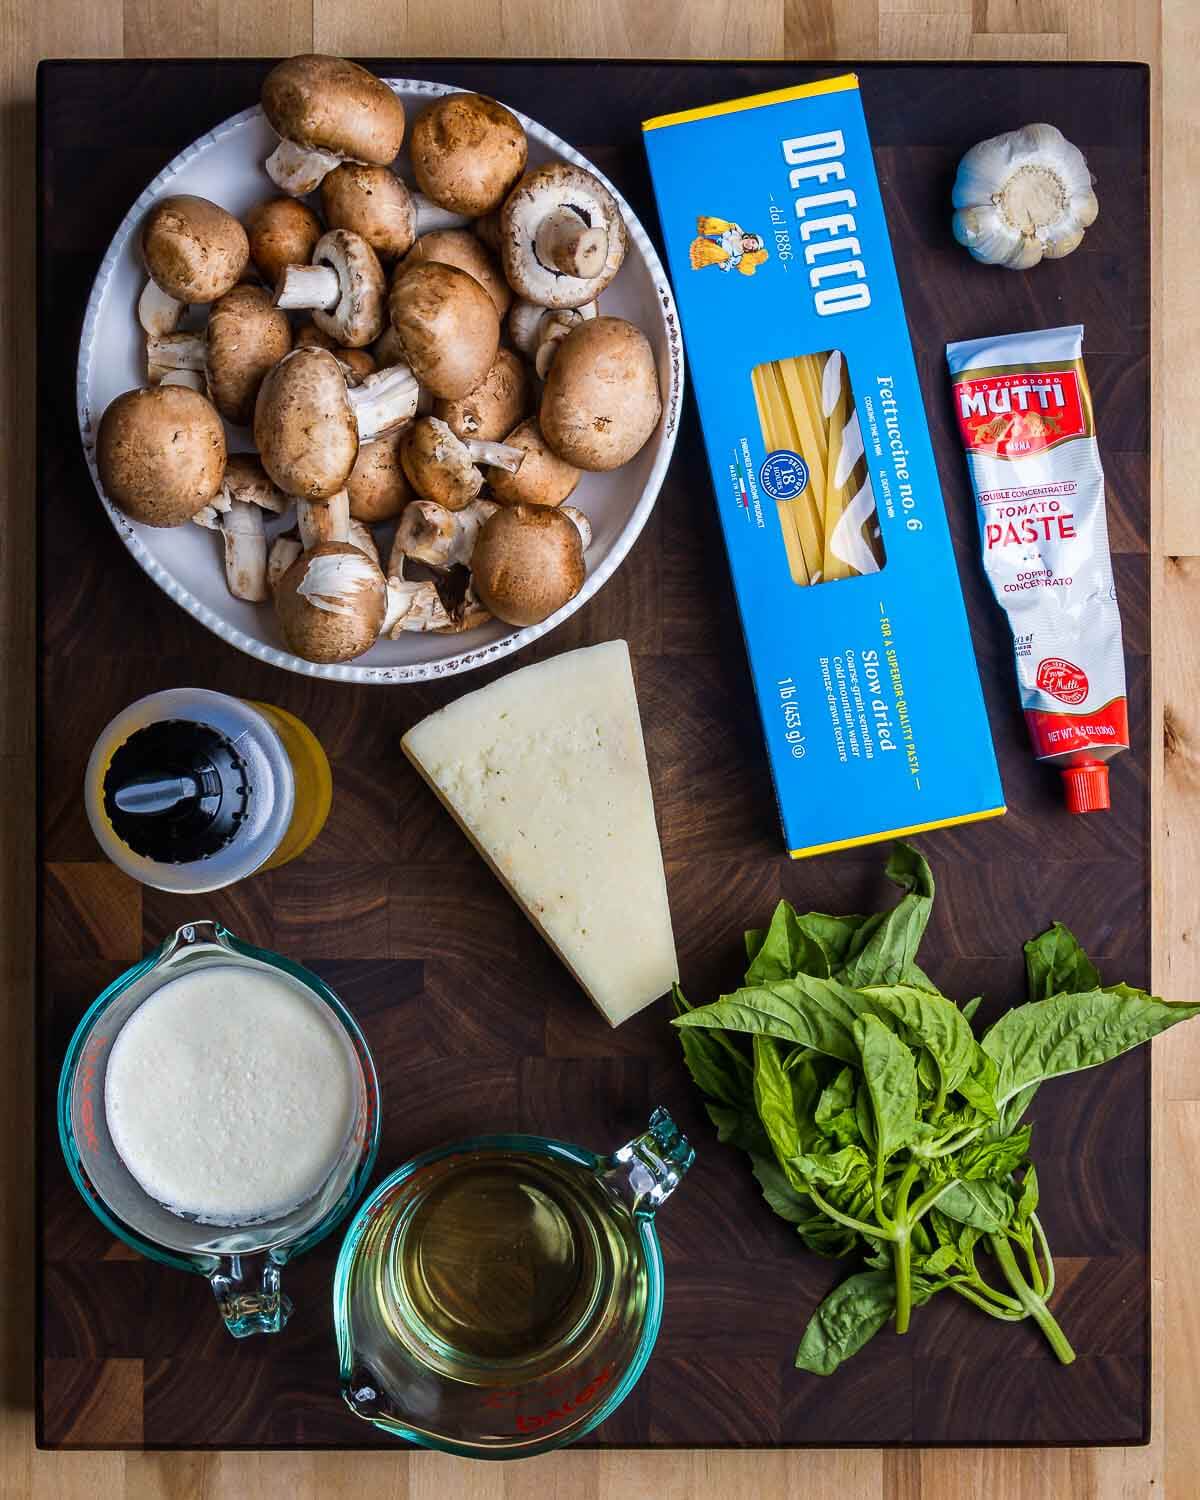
column 646, row 1171
column 246, row 1307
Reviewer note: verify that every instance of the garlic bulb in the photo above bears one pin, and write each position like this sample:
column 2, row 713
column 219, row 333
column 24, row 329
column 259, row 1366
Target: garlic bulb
column 1021, row 196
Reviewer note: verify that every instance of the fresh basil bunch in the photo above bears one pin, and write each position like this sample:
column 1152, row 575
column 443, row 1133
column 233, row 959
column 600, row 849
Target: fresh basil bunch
column 877, row 1122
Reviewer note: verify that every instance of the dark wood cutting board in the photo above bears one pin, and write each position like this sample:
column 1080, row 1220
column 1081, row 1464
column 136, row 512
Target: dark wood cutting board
column 473, row 1023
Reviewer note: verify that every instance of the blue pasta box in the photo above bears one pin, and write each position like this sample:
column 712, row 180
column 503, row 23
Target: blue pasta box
column 824, row 473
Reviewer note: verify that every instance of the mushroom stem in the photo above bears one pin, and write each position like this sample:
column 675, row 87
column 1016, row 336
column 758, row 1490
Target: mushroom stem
column 245, row 552
column 158, row 313
column 190, row 378
column 427, row 216
column 383, row 401
column 582, row 525
column 175, row 351
column 311, row 287
column 284, row 552
column 413, row 606
column 296, row 170
column 324, row 520
column 568, row 244
column 495, row 455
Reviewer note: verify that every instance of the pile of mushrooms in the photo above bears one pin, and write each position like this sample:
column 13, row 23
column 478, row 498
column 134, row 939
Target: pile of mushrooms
column 428, row 358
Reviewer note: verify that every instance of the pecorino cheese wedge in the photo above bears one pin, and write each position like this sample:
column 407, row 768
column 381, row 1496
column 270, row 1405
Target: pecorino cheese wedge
column 545, row 772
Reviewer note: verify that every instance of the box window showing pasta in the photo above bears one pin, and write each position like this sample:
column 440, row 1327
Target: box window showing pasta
column 823, row 473
column 814, row 467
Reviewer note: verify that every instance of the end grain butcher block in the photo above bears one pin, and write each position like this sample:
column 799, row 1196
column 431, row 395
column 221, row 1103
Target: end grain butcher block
column 474, row 1024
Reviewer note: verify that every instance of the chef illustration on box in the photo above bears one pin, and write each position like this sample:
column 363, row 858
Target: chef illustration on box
column 726, row 245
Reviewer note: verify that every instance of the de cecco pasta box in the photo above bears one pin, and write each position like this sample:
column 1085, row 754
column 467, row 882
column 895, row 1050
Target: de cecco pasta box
column 821, row 460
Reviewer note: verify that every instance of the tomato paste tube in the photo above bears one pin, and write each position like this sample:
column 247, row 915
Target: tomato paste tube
column 1025, row 413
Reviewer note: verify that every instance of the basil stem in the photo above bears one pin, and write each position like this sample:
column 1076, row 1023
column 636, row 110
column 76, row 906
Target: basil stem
column 1028, row 1298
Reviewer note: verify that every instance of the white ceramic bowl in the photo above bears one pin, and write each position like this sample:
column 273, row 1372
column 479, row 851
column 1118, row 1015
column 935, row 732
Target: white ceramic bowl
column 185, row 561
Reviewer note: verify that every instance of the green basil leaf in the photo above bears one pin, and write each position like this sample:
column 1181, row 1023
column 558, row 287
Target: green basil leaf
column 835, row 1115
column 786, row 950
column 810, row 1012
column 718, row 1068
column 1068, row 1033
column 739, row 1127
column 1028, row 1201
column 985, row 1206
column 754, row 940
column 1055, row 964
column 970, row 1007
column 885, row 947
column 784, row 1199
column 941, row 1026
column 851, row 1315
column 952, row 1232
column 890, row 1075
column 995, row 1160
column 941, row 1261
column 832, row 1170
column 863, row 1117
column 833, row 935
column 773, row 1099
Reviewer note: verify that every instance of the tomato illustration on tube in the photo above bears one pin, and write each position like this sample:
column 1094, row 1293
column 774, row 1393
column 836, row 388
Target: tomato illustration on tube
column 1024, row 410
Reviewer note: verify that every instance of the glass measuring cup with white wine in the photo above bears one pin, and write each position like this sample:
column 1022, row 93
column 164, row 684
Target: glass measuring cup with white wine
column 501, row 1296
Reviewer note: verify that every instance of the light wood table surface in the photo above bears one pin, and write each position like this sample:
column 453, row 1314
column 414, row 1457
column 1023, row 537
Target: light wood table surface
column 1166, row 36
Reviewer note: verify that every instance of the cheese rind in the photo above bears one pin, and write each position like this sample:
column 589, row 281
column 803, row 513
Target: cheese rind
column 545, row 771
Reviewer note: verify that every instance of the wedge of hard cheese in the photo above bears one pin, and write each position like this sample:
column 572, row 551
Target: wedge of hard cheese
column 545, row 772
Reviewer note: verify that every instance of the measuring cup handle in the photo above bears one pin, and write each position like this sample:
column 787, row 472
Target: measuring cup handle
column 647, row 1170
column 246, row 1307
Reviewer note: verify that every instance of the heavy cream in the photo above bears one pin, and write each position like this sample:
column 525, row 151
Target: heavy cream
column 230, row 1094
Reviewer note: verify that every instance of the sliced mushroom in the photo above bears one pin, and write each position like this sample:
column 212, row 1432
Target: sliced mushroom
column 282, row 232
column 492, row 408
column 542, row 479
column 331, row 603
column 308, row 423
column 601, row 400
column 321, row 521
column 467, row 151
column 245, row 337
column 447, row 326
column 562, row 237
column 194, row 250
column 378, row 486
column 325, row 109
column 161, row 454
column 441, row 467
column 459, row 247
column 344, row 286
column 527, row 563
column 158, row 313
column 429, row 533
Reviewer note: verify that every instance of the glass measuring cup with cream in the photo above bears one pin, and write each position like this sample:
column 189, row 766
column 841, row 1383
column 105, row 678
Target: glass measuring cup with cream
column 219, row 1111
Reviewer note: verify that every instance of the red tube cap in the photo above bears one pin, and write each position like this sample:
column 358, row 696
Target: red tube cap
column 1087, row 787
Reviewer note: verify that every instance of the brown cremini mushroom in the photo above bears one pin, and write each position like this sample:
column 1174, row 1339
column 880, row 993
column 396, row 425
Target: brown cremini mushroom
column 325, row 109
column 441, row 467
column 282, row 232
column 601, row 400
column 194, row 250
column 344, row 288
column 527, row 563
column 245, row 337
column 494, row 407
column 331, row 603
column 447, row 326
column 467, row 151
column 542, row 479
column 459, row 247
column 562, row 237
column 161, row 454
column 308, row 423
column 378, row 486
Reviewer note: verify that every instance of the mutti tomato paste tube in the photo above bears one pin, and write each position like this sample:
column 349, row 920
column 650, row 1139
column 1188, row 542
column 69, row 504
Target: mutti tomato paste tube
column 1025, row 413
